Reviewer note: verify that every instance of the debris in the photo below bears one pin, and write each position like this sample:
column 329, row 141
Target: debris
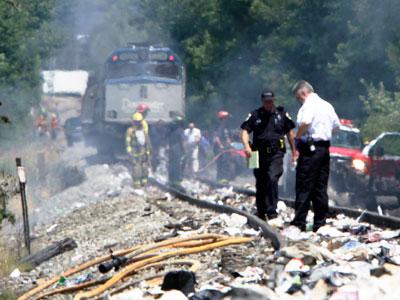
column 296, row 265
column 173, row 295
column 135, row 294
column 207, row 295
column 250, row 275
column 45, row 254
column 51, row 228
column 181, row 280
column 346, row 293
column 15, row 273
column 331, row 232
column 234, row 220
column 295, row 234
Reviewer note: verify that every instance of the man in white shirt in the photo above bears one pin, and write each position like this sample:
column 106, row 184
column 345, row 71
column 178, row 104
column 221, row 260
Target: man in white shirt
column 316, row 120
column 193, row 137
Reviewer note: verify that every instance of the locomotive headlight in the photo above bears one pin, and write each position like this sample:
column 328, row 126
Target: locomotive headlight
column 358, row 164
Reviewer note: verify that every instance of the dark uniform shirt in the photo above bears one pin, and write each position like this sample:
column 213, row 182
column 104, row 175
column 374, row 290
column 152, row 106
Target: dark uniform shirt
column 223, row 134
column 268, row 128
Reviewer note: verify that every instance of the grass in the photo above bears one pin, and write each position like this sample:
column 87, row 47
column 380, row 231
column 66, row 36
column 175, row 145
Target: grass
column 8, row 262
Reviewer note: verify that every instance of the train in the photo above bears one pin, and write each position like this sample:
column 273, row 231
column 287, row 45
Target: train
column 136, row 74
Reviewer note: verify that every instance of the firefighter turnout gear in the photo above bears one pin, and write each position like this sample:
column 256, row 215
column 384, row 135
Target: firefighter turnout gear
column 269, row 129
column 138, row 148
column 138, row 117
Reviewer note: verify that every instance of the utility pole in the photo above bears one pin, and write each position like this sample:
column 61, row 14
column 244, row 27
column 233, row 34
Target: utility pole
column 22, row 184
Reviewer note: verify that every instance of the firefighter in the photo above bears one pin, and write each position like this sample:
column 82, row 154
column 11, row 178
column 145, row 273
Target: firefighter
column 138, row 147
column 54, row 126
column 222, row 142
column 143, row 109
column 42, row 126
column 176, row 152
column 269, row 125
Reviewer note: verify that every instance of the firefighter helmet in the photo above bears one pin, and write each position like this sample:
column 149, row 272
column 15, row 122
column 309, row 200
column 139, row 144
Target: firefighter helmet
column 137, row 117
column 222, row 114
column 142, row 108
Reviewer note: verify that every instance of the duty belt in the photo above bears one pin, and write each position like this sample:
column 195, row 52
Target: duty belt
column 270, row 148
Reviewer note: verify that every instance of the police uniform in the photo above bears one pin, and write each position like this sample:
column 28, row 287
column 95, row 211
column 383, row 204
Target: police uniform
column 312, row 172
column 269, row 129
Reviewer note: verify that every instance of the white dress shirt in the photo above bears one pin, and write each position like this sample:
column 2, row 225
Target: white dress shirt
column 321, row 117
column 193, row 136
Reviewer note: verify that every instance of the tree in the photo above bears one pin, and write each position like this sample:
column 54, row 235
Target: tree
column 25, row 40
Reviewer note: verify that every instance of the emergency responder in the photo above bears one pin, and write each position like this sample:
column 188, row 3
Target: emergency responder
column 176, row 152
column 54, row 126
column 158, row 136
column 316, row 120
column 269, row 125
column 138, row 147
column 193, row 137
column 42, row 125
column 222, row 143
column 144, row 109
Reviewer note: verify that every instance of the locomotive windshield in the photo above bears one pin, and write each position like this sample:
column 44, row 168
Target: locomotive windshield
column 131, row 63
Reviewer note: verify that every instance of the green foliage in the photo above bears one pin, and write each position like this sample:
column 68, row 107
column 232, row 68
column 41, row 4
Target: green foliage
column 382, row 108
column 26, row 38
column 232, row 49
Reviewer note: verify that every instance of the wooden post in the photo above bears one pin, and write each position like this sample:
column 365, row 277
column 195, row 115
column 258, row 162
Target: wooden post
column 22, row 183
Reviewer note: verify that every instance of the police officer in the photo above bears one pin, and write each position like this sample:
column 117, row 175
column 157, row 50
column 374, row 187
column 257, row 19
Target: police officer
column 316, row 120
column 222, row 142
column 176, row 152
column 138, row 148
column 269, row 125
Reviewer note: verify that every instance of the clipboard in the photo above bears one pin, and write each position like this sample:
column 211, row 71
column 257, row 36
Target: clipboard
column 253, row 161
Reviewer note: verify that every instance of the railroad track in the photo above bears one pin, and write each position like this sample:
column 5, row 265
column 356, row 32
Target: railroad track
column 267, row 231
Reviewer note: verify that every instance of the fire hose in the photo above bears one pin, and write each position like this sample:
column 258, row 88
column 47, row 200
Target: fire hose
column 215, row 158
column 190, row 245
column 194, row 266
column 266, row 230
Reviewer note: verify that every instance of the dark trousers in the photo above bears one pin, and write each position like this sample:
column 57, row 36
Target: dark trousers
column 175, row 164
column 267, row 177
column 225, row 166
column 312, row 176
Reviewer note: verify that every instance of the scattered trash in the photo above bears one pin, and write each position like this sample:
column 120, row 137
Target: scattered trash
column 51, row 228
column 234, row 220
column 181, row 280
column 346, row 293
column 15, row 273
column 331, row 232
column 250, row 275
column 296, row 265
column 173, row 295
column 295, row 234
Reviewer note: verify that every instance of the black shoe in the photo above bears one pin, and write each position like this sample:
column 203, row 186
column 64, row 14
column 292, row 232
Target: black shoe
column 261, row 216
column 272, row 216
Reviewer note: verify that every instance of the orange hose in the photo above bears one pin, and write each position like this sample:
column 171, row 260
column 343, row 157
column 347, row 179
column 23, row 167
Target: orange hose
column 133, row 268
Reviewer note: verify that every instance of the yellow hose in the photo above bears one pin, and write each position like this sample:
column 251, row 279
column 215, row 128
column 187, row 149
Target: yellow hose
column 134, row 267
column 133, row 251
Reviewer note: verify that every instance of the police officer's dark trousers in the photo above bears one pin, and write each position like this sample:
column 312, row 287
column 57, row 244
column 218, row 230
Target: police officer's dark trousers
column 312, row 176
column 267, row 177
